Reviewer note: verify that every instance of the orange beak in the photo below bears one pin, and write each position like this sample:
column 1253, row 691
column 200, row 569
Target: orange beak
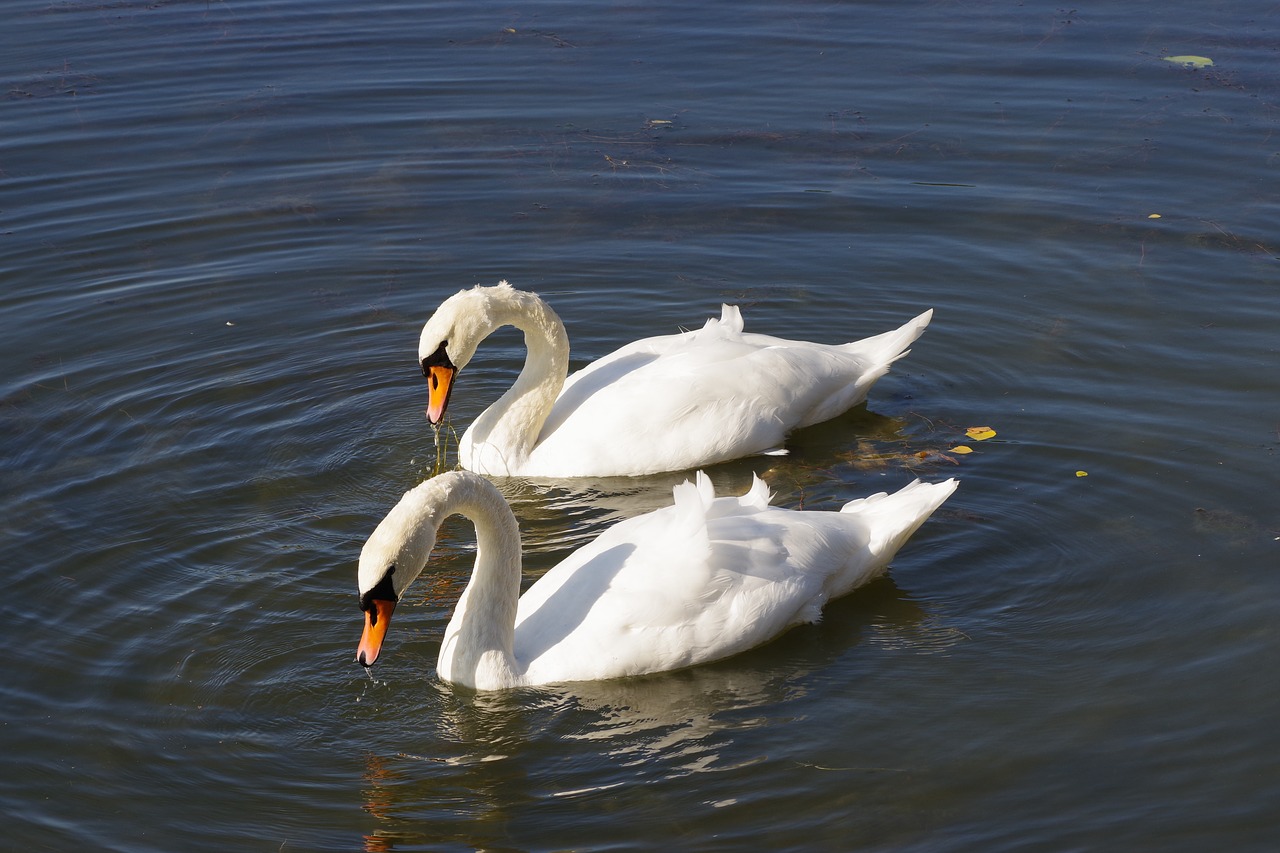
column 439, row 384
column 376, row 621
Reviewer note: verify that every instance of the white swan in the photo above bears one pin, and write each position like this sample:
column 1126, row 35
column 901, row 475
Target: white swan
column 667, row 403
column 693, row 582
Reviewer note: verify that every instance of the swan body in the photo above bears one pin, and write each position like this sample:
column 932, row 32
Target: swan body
column 696, row 581
column 666, row 403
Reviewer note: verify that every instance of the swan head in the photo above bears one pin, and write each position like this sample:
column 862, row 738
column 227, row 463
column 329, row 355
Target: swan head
column 450, row 338
column 392, row 558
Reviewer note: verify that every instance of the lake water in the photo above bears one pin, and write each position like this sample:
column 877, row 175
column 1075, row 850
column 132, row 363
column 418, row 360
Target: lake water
column 225, row 222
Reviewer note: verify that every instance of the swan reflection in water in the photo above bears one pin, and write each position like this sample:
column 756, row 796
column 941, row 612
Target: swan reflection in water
column 483, row 758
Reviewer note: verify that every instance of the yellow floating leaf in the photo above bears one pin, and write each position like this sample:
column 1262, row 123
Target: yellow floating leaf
column 980, row 433
column 1190, row 61
column 1153, row 216
column 961, row 449
column 1082, row 473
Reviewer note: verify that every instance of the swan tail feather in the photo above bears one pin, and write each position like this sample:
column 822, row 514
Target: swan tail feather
column 893, row 518
column 866, row 362
column 884, row 349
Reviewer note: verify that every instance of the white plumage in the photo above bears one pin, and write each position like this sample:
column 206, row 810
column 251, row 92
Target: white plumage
column 667, row 403
column 693, row 582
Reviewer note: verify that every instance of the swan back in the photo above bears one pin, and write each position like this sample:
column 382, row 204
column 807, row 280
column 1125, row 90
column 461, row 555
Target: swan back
column 703, row 579
column 718, row 392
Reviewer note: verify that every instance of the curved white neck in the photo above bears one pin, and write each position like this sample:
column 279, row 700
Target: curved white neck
column 478, row 646
column 504, row 434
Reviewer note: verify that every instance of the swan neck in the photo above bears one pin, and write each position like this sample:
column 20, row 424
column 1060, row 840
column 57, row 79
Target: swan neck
column 511, row 426
column 478, row 647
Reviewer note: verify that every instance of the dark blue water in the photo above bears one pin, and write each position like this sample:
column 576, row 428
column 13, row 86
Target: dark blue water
column 224, row 224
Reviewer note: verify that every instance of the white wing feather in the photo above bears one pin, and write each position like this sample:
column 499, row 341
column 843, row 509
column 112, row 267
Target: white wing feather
column 704, row 579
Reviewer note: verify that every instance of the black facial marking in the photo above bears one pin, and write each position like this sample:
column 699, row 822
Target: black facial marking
column 384, row 590
column 439, row 358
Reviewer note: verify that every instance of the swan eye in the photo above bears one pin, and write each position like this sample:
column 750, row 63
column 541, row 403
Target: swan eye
column 439, row 358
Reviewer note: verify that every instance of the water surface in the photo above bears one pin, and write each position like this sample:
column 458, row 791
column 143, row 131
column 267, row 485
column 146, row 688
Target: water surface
column 224, row 224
